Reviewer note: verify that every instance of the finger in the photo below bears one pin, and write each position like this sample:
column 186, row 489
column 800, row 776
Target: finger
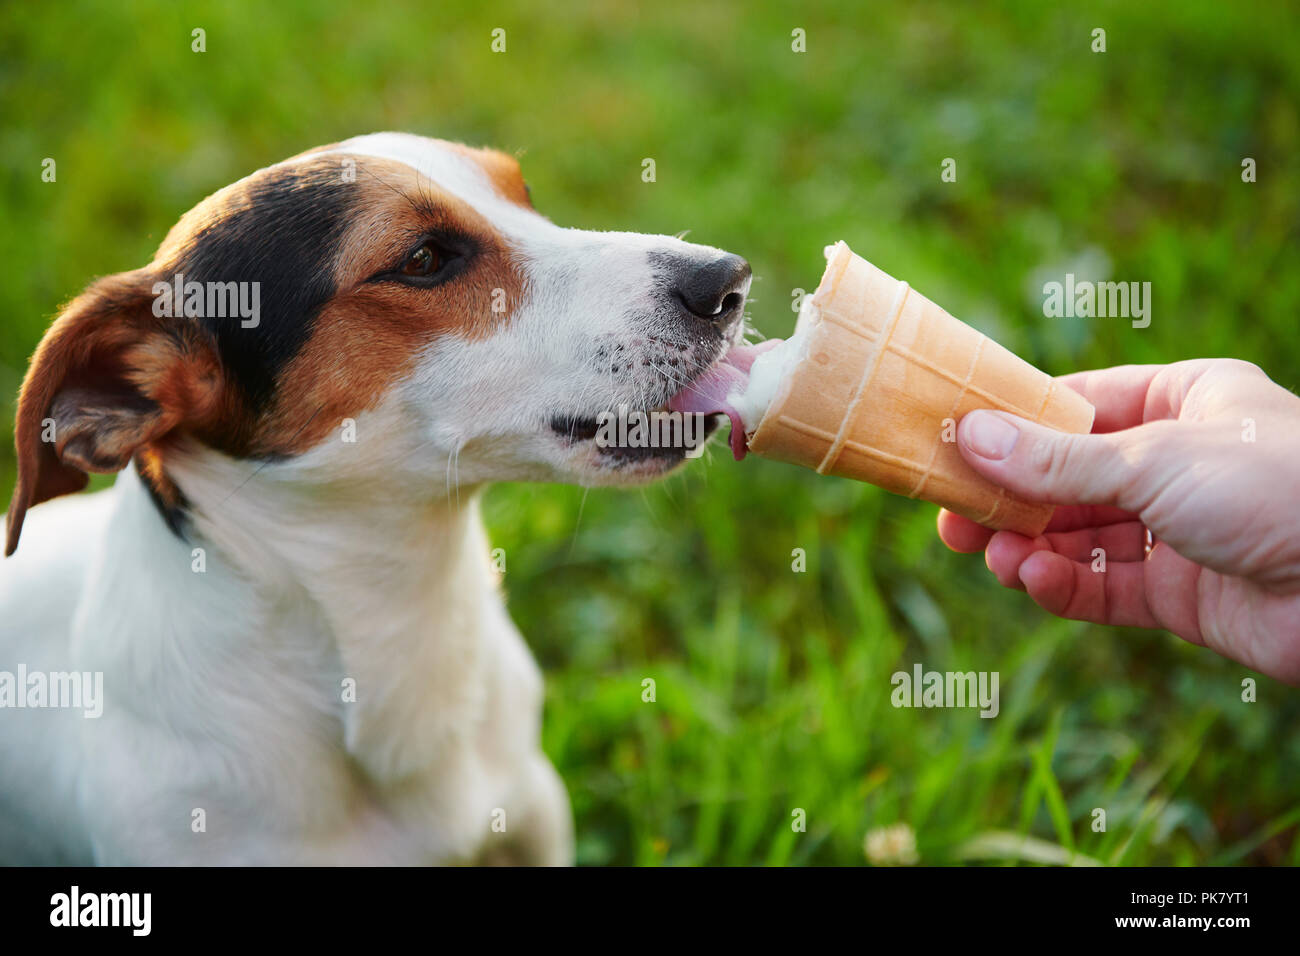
column 1006, row 552
column 961, row 534
column 1112, row 542
column 1162, row 591
column 1073, row 517
column 1174, row 587
column 1118, row 394
column 1095, row 547
column 966, row 537
column 1070, row 589
column 1122, row 470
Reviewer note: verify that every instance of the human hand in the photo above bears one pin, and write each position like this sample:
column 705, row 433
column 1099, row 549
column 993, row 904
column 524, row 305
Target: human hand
column 1206, row 455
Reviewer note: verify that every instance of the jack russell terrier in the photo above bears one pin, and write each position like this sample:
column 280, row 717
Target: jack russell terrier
column 304, row 652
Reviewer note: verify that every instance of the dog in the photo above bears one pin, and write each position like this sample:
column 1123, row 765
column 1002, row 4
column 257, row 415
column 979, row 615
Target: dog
column 304, row 650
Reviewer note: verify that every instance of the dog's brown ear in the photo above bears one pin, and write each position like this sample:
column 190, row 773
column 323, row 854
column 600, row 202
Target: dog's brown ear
column 108, row 379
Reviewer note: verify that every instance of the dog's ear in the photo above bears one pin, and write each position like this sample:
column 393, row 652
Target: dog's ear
column 108, row 379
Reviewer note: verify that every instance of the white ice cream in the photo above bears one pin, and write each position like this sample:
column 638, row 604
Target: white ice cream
column 771, row 368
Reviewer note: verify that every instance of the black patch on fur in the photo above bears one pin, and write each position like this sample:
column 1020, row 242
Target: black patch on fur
column 283, row 231
column 175, row 516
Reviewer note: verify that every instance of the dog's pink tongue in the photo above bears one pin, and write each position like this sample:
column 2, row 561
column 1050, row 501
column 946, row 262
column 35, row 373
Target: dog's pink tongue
column 707, row 395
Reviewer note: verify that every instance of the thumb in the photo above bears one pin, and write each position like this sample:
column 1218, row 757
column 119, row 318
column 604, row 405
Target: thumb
column 1042, row 464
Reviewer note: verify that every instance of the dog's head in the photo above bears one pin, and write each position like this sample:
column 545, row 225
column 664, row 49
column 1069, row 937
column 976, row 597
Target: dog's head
column 390, row 308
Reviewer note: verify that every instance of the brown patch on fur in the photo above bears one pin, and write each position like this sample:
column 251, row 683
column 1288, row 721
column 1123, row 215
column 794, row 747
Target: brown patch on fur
column 371, row 333
column 182, row 374
column 115, row 380
column 502, row 171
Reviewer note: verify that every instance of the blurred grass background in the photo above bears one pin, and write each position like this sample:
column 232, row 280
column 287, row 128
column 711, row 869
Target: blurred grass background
column 773, row 686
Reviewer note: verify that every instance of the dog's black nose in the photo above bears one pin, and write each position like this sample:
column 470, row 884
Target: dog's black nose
column 714, row 290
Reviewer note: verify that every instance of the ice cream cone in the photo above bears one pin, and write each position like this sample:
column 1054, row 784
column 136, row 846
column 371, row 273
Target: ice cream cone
column 883, row 379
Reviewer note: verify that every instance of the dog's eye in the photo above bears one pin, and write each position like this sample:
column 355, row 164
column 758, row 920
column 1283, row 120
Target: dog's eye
column 435, row 260
column 424, row 261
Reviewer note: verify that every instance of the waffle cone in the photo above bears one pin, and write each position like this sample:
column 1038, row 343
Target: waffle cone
column 885, row 376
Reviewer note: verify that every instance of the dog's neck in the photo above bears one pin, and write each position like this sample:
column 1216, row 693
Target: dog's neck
column 374, row 594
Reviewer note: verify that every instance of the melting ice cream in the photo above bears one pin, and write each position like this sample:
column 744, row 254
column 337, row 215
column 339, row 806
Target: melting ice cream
column 745, row 382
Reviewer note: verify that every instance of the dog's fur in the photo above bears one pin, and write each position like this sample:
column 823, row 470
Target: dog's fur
column 297, row 522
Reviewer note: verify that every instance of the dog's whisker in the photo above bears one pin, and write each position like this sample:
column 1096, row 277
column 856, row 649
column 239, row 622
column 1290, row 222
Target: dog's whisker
column 453, row 469
column 682, row 385
column 577, row 523
column 258, row 469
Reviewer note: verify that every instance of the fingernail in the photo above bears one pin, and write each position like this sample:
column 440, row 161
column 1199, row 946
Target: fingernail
column 989, row 436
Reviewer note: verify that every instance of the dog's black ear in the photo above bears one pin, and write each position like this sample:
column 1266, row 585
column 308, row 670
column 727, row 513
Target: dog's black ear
column 108, row 379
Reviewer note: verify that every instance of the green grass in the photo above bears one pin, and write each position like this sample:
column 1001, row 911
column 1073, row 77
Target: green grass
column 772, row 687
